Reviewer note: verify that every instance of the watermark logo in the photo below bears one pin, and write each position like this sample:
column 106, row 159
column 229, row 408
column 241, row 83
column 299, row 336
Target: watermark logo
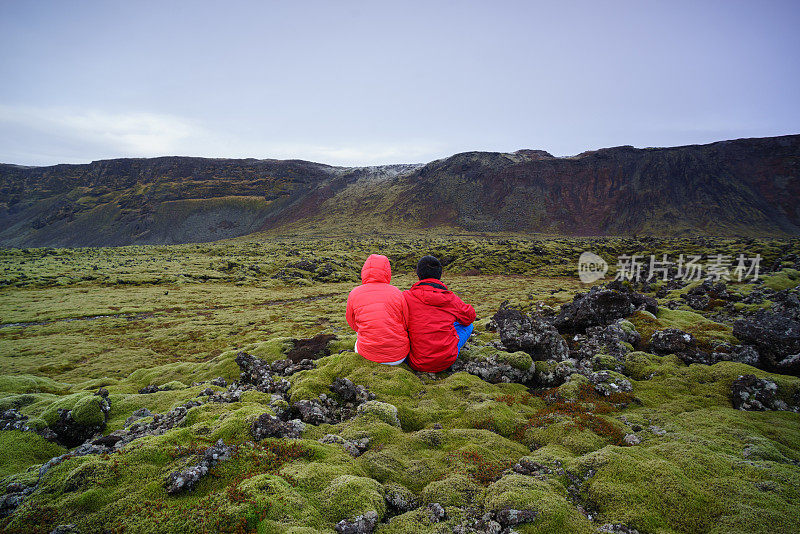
column 688, row 267
column 591, row 267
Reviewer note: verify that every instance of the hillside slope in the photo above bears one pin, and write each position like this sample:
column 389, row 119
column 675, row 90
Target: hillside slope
column 745, row 187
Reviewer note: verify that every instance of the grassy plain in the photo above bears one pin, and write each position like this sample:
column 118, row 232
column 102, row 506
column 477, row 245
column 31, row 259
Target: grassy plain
column 73, row 320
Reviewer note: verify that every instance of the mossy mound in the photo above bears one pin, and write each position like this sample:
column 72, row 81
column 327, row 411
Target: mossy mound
column 704, row 330
column 348, row 496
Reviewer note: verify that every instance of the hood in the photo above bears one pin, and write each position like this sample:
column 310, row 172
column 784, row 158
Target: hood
column 434, row 296
column 376, row 269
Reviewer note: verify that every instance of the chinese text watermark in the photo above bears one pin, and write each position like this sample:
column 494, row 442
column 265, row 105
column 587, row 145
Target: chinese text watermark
column 687, row 267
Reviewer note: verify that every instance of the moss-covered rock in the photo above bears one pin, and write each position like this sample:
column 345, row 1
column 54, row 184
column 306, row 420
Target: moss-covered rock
column 519, row 360
column 88, row 411
column 283, row 503
column 455, row 490
column 548, row 498
column 348, row 496
column 380, row 410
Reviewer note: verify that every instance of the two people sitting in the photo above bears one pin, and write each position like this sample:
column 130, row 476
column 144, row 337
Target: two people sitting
column 425, row 326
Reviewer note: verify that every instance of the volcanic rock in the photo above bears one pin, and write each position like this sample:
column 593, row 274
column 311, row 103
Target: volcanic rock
column 499, row 368
column 13, row 420
column 509, row 517
column 399, row 499
column 616, row 528
column 776, row 337
column 757, row 394
column 599, row 307
column 362, row 524
column 672, row 341
column 528, row 333
column 269, row 426
column 349, row 392
column 607, row 383
column 179, row 481
column 609, row 340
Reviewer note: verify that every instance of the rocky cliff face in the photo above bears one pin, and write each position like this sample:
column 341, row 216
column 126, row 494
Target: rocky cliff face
column 745, row 187
column 742, row 187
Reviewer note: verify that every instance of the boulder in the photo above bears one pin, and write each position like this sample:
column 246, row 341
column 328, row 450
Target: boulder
column 599, row 307
column 349, row 392
column 757, row 394
column 608, row 382
column 775, row 336
column 399, row 499
column 614, row 340
column 672, row 341
column 519, row 331
column 498, row 367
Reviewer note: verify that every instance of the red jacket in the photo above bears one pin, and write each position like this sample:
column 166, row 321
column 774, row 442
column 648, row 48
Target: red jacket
column 377, row 312
column 432, row 310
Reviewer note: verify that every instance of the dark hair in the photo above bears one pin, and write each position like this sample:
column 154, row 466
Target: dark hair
column 429, row 267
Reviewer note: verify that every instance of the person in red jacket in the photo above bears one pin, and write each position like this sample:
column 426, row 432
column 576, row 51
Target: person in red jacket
column 377, row 312
column 439, row 322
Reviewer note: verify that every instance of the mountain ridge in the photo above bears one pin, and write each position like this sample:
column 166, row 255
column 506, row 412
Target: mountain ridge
column 743, row 187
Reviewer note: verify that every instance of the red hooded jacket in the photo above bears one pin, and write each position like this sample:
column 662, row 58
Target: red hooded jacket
column 378, row 312
column 432, row 310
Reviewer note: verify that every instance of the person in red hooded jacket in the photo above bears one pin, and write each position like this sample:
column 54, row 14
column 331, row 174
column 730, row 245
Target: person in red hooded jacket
column 377, row 312
column 439, row 322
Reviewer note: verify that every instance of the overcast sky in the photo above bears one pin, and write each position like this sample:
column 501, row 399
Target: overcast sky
column 374, row 82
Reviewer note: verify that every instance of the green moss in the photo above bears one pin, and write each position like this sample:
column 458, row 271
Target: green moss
column 193, row 307
column 571, row 389
column 683, row 503
column 343, row 343
column 31, row 384
column 519, row 360
column 180, row 373
column 348, row 496
column 270, row 350
column 784, row 279
column 25, row 400
column 88, row 411
column 455, row 490
column 315, row 476
column 37, row 424
column 21, row 450
column 604, row 361
column 383, row 411
column 565, row 434
column 627, row 326
column 283, row 503
column 473, row 352
column 642, row 365
column 173, row 385
column 418, row 522
column 50, row 414
column 91, row 471
column 704, row 330
column 548, row 498
column 259, row 397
